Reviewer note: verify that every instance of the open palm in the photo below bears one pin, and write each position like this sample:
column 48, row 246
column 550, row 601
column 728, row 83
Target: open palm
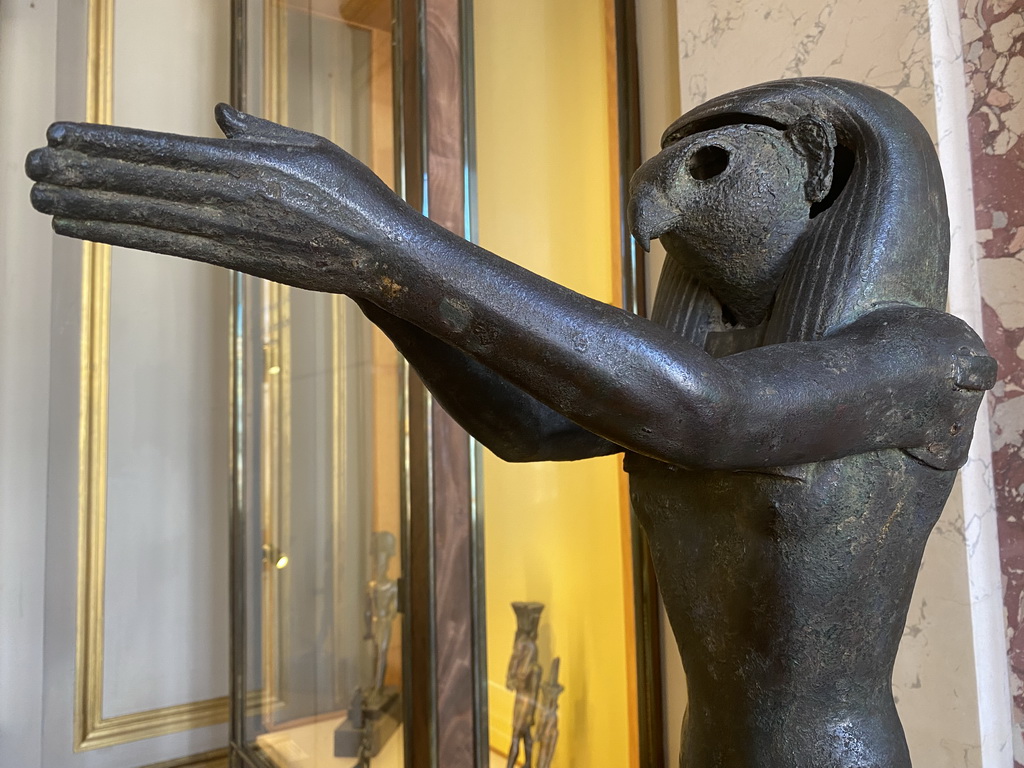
column 267, row 200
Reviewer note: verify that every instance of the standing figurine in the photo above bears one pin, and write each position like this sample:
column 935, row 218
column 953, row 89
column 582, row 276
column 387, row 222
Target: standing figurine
column 381, row 606
column 547, row 728
column 524, row 677
column 375, row 712
column 793, row 413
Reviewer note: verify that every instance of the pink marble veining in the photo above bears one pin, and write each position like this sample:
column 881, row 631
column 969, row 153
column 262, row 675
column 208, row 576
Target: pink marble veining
column 993, row 32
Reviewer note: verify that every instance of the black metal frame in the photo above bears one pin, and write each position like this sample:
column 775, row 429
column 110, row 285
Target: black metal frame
column 237, row 406
column 646, row 601
column 417, row 599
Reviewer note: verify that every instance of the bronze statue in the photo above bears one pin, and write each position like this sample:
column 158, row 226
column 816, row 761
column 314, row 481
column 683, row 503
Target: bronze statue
column 793, row 413
column 524, row 677
column 547, row 727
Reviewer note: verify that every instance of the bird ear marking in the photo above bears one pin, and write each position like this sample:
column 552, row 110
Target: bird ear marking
column 815, row 140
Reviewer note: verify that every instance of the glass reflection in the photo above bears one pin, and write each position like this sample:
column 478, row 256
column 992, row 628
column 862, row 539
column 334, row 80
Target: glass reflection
column 323, row 655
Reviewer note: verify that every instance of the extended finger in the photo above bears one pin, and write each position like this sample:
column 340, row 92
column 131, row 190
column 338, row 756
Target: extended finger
column 149, row 147
column 218, row 222
column 193, row 247
column 259, row 263
column 99, row 205
column 72, row 169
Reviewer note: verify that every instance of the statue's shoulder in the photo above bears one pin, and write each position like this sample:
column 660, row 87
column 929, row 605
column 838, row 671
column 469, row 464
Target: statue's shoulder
column 971, row 368
column 969, row 371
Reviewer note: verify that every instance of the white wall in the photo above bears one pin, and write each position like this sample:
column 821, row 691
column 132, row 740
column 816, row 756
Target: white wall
column 28, row 42
column 165, row 629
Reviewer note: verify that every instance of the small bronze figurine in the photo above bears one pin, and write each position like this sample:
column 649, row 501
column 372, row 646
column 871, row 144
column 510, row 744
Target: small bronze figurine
column 547, row 727
column 524, row 677
column 375, row 711
column 381, row 605
column 792, row 414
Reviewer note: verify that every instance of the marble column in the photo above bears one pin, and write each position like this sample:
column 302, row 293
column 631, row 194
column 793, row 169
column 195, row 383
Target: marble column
column 951, row 680
column 993, row 40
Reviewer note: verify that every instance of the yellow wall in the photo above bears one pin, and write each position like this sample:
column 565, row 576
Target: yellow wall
column 554, row 532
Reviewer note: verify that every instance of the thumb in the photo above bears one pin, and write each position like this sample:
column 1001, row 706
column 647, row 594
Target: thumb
column 240, row 125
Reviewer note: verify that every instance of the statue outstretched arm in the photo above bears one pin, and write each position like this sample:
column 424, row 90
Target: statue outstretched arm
column 226, row 202
column 291, row 207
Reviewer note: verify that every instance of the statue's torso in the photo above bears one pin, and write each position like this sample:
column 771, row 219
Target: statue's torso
column 787, row 590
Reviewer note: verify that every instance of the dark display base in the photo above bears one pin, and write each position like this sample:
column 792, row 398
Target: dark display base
column 381, row 716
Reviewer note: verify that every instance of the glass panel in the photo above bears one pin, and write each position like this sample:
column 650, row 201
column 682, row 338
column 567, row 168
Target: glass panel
column 557, row 536
column 323, row 655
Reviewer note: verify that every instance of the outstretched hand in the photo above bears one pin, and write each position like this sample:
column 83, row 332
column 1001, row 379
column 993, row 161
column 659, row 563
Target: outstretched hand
column 267, row 200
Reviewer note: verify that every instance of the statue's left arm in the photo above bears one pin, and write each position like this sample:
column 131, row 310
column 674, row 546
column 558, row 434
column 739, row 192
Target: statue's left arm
column 293, row 208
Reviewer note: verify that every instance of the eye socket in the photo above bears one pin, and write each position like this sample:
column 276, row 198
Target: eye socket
column 707, row 162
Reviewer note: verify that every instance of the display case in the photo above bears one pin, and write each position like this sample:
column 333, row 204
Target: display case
column 319, row 645
column 400, row 595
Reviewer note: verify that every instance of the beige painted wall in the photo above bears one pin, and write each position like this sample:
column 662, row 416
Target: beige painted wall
column 28, row 44
column 165, row 624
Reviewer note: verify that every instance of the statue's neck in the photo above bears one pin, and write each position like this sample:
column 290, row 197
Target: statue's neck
column 684, row 305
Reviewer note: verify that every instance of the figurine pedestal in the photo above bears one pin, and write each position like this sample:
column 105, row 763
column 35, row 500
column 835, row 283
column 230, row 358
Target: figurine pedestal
column 381, row 716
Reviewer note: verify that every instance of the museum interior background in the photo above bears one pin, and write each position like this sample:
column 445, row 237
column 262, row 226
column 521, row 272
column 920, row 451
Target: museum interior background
column 120, row 432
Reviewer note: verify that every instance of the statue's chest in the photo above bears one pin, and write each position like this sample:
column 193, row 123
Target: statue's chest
column 826, row 504
column 724, row 544
column 693, row 507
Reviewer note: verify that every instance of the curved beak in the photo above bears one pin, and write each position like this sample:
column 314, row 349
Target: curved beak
column 650, row 213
